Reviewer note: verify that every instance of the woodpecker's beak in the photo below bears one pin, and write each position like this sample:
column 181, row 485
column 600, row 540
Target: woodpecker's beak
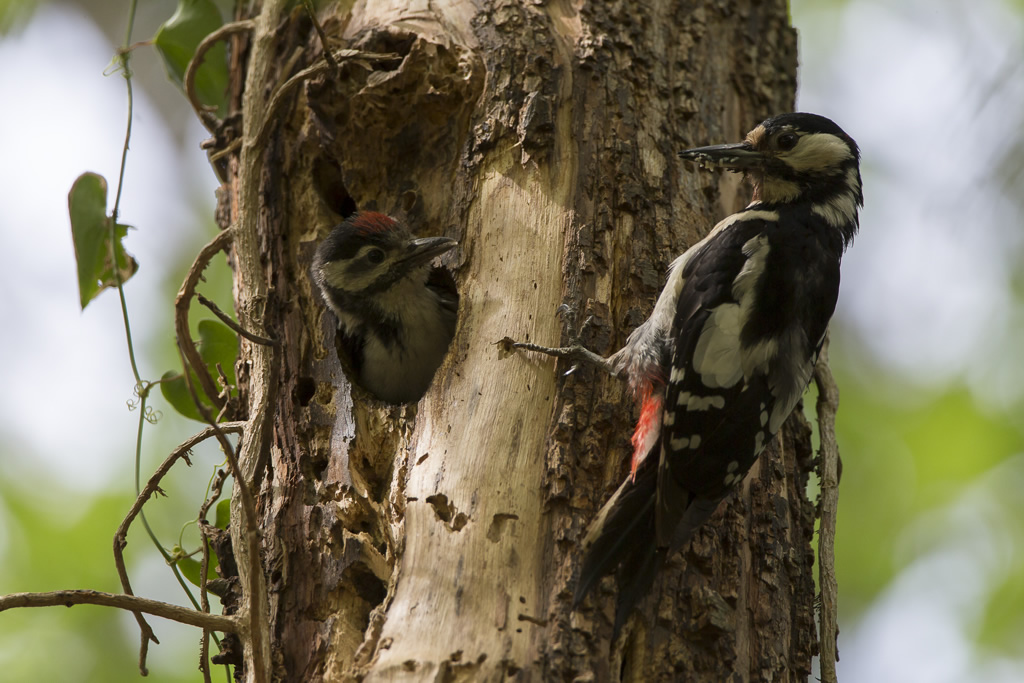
column 420, row 251
column 738, row 156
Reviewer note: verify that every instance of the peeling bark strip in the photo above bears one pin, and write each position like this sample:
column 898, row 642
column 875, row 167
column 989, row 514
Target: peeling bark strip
column 439, row 541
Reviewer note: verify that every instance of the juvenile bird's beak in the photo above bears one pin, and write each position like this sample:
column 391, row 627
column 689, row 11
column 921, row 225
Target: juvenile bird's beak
column 420, row 251
column 738, row 156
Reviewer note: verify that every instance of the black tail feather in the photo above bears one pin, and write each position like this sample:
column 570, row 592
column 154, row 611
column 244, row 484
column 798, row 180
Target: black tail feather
column 623, row 534
column 635, row 577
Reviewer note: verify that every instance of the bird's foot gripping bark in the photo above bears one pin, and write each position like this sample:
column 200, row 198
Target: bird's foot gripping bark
column 575, row 351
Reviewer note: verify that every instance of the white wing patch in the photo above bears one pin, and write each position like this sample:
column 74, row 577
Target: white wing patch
column 696, row 403
column 690, row 402
column 756, row 250
column 718, row 355
column 758, row 442
column 679, row 443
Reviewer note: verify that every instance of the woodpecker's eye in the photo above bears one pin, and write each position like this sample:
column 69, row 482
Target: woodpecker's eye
column 375, row 256
column 786, row 141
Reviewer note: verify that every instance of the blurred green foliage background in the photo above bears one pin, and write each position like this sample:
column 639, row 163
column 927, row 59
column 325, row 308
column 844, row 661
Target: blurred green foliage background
column 927, row 343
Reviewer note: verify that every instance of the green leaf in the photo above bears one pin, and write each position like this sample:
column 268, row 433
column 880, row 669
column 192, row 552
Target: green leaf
column 223, row 514
column 217, row 344
column 90, row 231
column 176, row 41
column 175, row 391
column 191, row 568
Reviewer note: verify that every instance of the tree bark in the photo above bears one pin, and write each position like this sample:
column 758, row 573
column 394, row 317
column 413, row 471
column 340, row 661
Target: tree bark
column 439, row 541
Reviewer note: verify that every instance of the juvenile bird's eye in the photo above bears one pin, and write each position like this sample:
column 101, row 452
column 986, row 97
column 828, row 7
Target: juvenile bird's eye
column 786, row 141
column 375, row 256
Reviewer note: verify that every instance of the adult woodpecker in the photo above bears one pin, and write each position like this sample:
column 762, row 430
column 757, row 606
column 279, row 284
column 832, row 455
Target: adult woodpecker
column 730, row 346
column 396, row 313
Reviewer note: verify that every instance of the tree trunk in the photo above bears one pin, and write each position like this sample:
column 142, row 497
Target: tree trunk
column 439, row 541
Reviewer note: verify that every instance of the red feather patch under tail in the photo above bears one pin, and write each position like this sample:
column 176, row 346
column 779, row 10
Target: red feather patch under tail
column 648, row 427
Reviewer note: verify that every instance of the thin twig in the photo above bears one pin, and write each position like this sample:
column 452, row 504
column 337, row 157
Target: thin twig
column 133, row 603
column 323, row 36
column 215, row 492
column 218, row 482
column 204, row 598
column 146, row 631
column 134, row 46
column 204, row 601
column 248, row 503
column 828, row 404
column 320, row 67
column 225, row 391
column 227, row 320
column 252, row 534
column 204, row 654
column 181, row 306
column 221, row 153
column 152, row 486
column 202, row 111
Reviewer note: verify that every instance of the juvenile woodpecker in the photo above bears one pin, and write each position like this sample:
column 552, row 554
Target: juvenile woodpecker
column 396, row 313
column 730, row 346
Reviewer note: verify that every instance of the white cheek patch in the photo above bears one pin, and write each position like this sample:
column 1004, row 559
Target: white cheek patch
column 841, row 209
column 837, row 211
column 853, row 179
column 817, row 151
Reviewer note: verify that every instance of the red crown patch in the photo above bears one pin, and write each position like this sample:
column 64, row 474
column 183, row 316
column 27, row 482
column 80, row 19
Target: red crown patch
column 371, row 221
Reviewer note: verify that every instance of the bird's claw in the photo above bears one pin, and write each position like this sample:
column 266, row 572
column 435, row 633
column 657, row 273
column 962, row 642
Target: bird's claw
column 574, row 351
